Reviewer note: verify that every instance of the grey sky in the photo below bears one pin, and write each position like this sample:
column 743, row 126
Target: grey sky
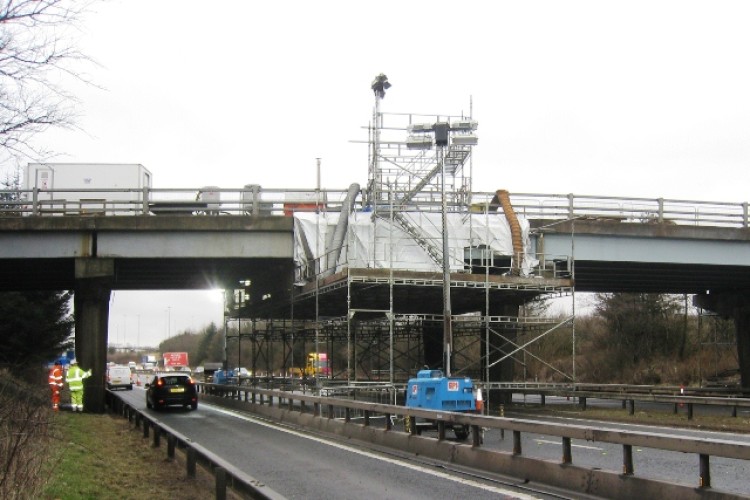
column 618, row 98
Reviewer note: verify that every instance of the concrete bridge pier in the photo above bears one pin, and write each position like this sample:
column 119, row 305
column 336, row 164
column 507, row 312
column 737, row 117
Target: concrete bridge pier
column 735, row 306
column 93, row 287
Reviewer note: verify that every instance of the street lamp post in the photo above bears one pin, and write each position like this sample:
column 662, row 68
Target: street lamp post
column 441, row 130
column 456, row 153
column 442, row 135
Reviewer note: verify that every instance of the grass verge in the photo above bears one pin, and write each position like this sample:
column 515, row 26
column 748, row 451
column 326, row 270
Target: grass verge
column 103, row 456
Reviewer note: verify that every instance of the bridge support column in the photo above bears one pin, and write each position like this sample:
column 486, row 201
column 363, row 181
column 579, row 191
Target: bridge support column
column 735, row 306
column 91, row 308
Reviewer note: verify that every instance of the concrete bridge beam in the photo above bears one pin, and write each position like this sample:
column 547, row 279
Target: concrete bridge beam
column 93, row 286
column 735, row 306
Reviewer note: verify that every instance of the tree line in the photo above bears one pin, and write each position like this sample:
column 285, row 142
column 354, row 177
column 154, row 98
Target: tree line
column 640, row 338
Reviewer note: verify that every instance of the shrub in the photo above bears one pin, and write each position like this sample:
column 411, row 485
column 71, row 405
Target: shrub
column 25, row 434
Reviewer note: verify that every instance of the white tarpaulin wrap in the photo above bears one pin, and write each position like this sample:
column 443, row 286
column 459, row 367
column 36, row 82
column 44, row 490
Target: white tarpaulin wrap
column 379, row 244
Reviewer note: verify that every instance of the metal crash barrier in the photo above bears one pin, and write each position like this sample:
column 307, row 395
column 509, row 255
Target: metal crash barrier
column 226, row 474
column 374, row 423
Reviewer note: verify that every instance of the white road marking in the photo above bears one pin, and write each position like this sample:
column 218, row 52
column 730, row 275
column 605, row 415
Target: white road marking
column 559, row 443
column 424, row 470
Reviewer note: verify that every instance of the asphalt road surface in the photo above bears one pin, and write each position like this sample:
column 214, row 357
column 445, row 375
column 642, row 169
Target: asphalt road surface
column 299, row 464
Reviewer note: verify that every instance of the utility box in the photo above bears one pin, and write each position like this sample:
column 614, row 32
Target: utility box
column 87, row 188
column 211, row 196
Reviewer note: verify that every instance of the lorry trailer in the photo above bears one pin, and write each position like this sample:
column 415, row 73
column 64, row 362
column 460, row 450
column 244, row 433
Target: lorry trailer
column 86, row 188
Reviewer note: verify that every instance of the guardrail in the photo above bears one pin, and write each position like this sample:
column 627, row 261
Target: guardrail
column 226, row 474
column 283, row 201
column 321, row 412
column 630, row 394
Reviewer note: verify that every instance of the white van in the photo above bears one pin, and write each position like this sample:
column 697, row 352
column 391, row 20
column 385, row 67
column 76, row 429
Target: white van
column 119, row 377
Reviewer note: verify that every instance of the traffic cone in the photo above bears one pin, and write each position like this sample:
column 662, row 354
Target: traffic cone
column 480, row 401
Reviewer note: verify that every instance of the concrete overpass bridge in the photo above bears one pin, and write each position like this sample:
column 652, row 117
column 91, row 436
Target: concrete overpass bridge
column 612, row 245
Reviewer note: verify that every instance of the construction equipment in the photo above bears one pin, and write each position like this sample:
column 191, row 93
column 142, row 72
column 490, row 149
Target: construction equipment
column 432, row 390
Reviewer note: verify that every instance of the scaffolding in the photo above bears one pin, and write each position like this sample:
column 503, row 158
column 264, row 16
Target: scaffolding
column 370, row 281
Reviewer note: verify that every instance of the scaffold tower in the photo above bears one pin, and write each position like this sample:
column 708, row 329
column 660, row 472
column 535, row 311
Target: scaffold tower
column 372, row 275
column 406, row 157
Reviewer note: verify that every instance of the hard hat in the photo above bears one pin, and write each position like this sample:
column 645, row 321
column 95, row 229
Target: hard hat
column 74, row 361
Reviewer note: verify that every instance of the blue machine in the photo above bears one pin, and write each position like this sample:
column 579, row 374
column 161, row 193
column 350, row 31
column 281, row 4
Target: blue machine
column 431, row 390
column 224, row 377
column 63, row 360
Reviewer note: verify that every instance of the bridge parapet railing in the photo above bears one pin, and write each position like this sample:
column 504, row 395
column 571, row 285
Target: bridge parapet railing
column 254, row 200
column 173, row 201
column 632, row 210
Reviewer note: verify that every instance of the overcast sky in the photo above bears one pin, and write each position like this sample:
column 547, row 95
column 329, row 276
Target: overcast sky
column 617, row 98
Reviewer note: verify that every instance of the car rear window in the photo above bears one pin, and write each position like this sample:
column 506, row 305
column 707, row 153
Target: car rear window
column 174, row 380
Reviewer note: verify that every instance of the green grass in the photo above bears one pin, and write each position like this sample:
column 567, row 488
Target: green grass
column 103, row 457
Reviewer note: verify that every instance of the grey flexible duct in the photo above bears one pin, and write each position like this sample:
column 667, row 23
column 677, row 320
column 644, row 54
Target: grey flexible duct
column 340, row 232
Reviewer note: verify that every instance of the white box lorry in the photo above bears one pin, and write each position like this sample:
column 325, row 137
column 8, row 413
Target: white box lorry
column 80, row 188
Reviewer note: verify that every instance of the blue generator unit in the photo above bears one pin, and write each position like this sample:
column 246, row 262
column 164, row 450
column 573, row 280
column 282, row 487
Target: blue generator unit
column 432, row 390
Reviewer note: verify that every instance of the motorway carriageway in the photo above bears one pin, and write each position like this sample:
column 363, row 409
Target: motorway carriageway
column 299, row 464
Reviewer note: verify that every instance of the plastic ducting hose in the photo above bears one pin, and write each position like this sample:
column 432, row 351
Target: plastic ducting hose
column 515, row 230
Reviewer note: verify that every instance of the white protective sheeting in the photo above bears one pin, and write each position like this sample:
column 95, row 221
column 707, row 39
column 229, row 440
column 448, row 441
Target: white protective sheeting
column 379, row 244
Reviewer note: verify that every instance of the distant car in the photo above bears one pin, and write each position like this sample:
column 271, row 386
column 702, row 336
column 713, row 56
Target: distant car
column 169, row 389
column 119, row 377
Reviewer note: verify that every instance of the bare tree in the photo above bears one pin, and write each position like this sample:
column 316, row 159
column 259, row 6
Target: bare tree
column 36, row 54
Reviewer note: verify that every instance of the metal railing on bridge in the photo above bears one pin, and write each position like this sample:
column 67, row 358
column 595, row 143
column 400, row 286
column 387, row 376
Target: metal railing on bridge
column 256, row 201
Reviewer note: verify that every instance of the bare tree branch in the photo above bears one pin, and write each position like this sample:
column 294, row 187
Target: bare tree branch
column 36, row 48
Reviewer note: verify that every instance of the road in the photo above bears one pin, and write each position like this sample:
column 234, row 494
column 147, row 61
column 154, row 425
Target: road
column 300, row 464
column 640, row 405
column 726, row 474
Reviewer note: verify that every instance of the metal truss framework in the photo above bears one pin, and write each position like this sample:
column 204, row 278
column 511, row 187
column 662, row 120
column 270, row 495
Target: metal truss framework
column 381, row 342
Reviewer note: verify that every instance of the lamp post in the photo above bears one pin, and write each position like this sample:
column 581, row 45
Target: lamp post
column 442, row 135
column 441, row 130
column 448, row 155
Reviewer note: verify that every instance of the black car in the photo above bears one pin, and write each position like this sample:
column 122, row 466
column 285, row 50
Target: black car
column 173, row 388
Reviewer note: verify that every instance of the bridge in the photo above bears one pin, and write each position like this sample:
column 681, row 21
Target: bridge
column 166, row 240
